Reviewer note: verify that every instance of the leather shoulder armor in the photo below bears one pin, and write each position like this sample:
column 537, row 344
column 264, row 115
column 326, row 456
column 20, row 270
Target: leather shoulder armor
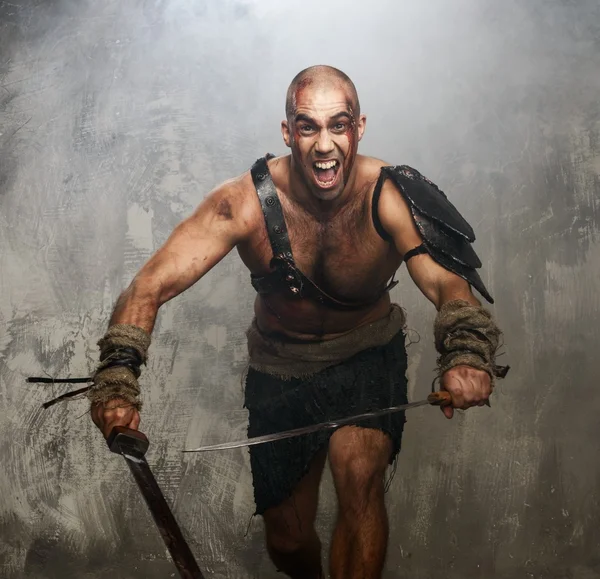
column 447, row 236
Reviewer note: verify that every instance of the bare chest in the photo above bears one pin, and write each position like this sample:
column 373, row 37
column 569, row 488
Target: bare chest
column 342, row 255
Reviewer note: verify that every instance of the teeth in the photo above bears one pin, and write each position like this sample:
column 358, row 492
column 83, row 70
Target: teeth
column 326, row 183
column 327, row 165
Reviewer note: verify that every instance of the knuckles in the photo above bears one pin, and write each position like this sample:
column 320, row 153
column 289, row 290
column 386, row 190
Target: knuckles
column 468, row 386
column 111, row 411
column 116, row 413
column 459, row 376
column 468, row 372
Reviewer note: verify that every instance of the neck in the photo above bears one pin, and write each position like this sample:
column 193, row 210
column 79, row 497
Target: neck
column 300, row 192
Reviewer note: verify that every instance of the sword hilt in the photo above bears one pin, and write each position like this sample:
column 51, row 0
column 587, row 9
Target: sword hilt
column 443, row 398
column 133, row 438
column 440, row 398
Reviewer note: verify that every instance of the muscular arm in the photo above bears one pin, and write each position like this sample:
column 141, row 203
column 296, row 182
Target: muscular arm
column 468, row 386
column 222, row 220
column 437, row 283
column 195, row 246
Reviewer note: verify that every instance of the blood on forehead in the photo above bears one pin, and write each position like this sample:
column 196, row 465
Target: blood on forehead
column 309, row 90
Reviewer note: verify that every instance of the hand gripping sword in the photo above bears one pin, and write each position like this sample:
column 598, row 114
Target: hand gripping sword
column 440, row 398
column 132, row 445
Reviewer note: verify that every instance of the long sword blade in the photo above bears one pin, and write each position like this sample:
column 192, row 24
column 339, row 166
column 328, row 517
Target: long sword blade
column 132, row 445
column 434, row 399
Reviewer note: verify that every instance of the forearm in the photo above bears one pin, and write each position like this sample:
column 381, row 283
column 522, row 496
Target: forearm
column 194, row 247
column 455, row 288
column 138, row 305
column 437, row 284
column 124, row 347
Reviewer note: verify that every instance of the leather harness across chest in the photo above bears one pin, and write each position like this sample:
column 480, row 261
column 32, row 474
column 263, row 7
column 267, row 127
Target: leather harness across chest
column 285, row 277
column 447, row 237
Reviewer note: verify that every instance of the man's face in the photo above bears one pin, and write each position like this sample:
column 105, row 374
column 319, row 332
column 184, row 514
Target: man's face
column 323, row 135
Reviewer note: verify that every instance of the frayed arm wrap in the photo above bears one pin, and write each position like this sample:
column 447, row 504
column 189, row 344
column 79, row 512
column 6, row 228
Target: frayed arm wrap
column 123, row 349
column 467, row 334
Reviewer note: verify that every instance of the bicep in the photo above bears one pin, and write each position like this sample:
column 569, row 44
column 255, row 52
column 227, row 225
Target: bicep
column 197, row 244
column 435, row 282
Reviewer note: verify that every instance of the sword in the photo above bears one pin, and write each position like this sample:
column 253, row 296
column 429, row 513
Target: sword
column 440, row 398
column 132, row 445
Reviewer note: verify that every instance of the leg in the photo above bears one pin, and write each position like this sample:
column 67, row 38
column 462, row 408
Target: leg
column 292, row 541
column 359, row 458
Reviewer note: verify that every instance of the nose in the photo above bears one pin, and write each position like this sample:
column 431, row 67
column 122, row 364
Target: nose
column 324, row 143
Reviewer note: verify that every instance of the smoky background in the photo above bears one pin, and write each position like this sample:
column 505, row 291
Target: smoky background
column 117, row 118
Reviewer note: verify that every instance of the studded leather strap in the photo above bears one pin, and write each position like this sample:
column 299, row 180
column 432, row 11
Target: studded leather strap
column 271, row 207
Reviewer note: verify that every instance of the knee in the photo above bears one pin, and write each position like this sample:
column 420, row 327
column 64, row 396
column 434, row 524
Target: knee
column 358, row 474
column 286, row 543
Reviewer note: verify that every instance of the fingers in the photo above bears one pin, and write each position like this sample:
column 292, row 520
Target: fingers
column 135, row 422
column 130, row 420
column 468, row 387
column 454, row 385
column 113, row 413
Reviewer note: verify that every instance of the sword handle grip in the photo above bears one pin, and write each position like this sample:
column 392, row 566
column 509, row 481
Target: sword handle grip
column 440, row 398
column 121, row 435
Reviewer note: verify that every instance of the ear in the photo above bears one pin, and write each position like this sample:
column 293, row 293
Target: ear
column 362, row 125
column 285, row 131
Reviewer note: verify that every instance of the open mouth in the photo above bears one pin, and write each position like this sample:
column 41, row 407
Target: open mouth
column 326, row 173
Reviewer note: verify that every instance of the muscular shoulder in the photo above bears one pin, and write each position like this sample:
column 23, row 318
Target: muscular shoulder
column 234, row 204
column 369, row 168
column 237, row 198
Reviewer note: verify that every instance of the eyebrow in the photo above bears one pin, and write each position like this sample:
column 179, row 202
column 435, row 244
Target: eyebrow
column 303, row 117
column 340, row 115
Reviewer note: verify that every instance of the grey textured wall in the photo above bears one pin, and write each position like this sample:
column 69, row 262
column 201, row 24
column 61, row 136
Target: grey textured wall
column 117, row 117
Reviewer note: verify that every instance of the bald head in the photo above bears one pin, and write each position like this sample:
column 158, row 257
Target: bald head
column 320, row 76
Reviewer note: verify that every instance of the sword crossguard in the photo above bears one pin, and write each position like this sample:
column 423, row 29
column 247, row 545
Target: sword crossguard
column 121, row 435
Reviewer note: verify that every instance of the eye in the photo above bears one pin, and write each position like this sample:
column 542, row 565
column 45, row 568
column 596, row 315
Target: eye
column 340, row 127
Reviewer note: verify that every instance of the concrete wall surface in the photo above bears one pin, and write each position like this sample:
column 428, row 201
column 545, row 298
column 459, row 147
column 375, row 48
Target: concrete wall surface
column 118, row 117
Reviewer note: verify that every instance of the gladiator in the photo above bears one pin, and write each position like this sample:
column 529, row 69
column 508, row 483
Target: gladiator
column 322, row 231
